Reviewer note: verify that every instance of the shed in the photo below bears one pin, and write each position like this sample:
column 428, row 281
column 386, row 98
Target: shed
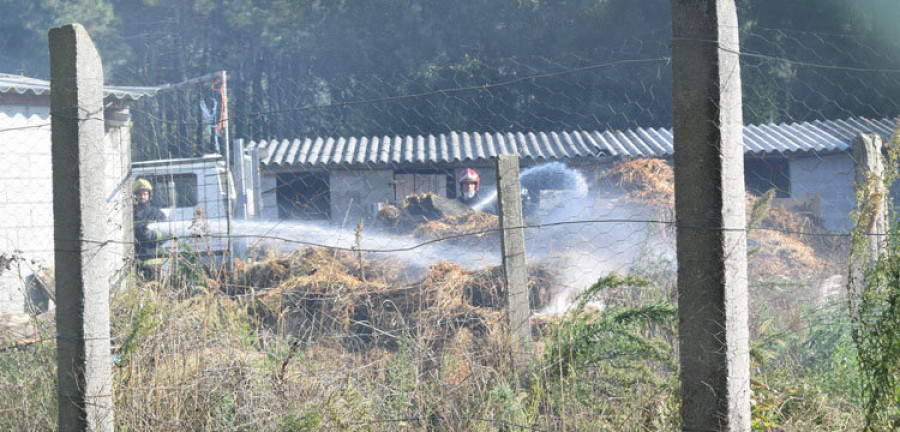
column 26, row 195
column 347, row 178
column 344, row 178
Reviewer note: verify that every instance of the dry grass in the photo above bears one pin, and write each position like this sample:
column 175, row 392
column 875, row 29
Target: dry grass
column 359, row 356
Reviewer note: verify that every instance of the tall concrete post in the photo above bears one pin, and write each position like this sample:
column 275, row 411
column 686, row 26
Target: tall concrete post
column 709, row 208
column 512, row 236
column 869, row 167
column 240, row 179
column 82, row 232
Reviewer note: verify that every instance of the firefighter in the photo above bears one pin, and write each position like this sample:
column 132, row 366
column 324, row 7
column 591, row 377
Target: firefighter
column 469, row 183
column 146, row 240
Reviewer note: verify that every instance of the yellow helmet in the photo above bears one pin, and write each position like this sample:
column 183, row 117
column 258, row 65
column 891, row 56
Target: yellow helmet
column 141, row 185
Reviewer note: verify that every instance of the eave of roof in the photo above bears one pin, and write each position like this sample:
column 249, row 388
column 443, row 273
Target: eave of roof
column 21, row 85
column 787, row 138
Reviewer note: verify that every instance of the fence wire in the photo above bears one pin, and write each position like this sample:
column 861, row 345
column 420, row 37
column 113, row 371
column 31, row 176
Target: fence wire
column 318, row 264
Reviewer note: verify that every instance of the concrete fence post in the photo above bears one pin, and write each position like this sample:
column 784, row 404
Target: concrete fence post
column 255, row 181
column 85, row 232
column 869, row 167
column 240, row 179
column 709, row 209
column 512, row 236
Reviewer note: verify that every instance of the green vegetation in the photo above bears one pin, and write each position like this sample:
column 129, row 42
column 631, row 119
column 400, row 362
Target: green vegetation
column 874, row 294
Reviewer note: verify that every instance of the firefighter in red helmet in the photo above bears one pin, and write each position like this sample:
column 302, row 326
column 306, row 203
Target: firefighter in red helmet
column 469, row 183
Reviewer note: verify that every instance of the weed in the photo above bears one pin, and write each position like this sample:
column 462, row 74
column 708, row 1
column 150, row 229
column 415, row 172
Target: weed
column 874, row 292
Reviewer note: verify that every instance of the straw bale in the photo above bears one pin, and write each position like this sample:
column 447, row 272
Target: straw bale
column 487, row 288
column 265, row 273
column 778, row 248
column 779, row 218
column 312, row 295
column 544, row 324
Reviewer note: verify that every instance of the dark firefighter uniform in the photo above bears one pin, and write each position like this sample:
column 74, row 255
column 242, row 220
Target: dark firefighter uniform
column 146, row 241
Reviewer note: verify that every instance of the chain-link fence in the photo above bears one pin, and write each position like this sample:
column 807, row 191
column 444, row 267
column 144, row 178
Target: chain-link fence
column 307, row 261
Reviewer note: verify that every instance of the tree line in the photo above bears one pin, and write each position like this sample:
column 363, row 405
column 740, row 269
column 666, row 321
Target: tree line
column 355, row 67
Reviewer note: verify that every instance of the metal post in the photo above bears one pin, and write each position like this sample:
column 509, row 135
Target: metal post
column 709, row 208
column 84, row 231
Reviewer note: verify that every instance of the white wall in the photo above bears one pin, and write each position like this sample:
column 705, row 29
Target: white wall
column 269, row 185
column 832, row 177
column 26, row 200
column 355, row 193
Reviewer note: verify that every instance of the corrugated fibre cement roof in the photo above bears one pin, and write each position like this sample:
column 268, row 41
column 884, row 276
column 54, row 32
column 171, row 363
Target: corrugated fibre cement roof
column 816, row 136
column 22, row 85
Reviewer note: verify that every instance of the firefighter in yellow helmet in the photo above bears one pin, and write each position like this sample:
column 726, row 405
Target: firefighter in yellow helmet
column 146, row 240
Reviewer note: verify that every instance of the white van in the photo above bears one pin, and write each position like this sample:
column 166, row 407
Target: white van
column 195, row 197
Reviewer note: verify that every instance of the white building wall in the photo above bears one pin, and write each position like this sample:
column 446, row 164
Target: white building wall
column 831, row 176
column 26, row 202
column 355, row 194
column 269, row 185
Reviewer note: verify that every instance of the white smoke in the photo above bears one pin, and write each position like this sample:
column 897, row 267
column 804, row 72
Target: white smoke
column 579, row 233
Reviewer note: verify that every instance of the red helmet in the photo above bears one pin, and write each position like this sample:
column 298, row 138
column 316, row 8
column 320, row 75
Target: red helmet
column 469, row 175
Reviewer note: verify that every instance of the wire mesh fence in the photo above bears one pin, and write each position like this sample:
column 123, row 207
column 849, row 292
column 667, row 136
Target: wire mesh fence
column 320, row 262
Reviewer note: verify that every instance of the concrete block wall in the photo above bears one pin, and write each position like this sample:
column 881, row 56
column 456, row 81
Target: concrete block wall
column 355, row 194
column 26, row 198
column 26, row 202
column 117, row 148
column 269, row 186
column 831, row 176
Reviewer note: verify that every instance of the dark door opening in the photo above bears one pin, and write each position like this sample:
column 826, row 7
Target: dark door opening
column 761, row 175
column 303, row 196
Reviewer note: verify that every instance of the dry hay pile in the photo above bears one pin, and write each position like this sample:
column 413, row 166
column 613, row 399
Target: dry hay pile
column 393, row 217
column 469, row 228
column 433, row 218
column 417, row 209
column 647, row 181
column 312, row 291
column 322, row 294
column 776, row 248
